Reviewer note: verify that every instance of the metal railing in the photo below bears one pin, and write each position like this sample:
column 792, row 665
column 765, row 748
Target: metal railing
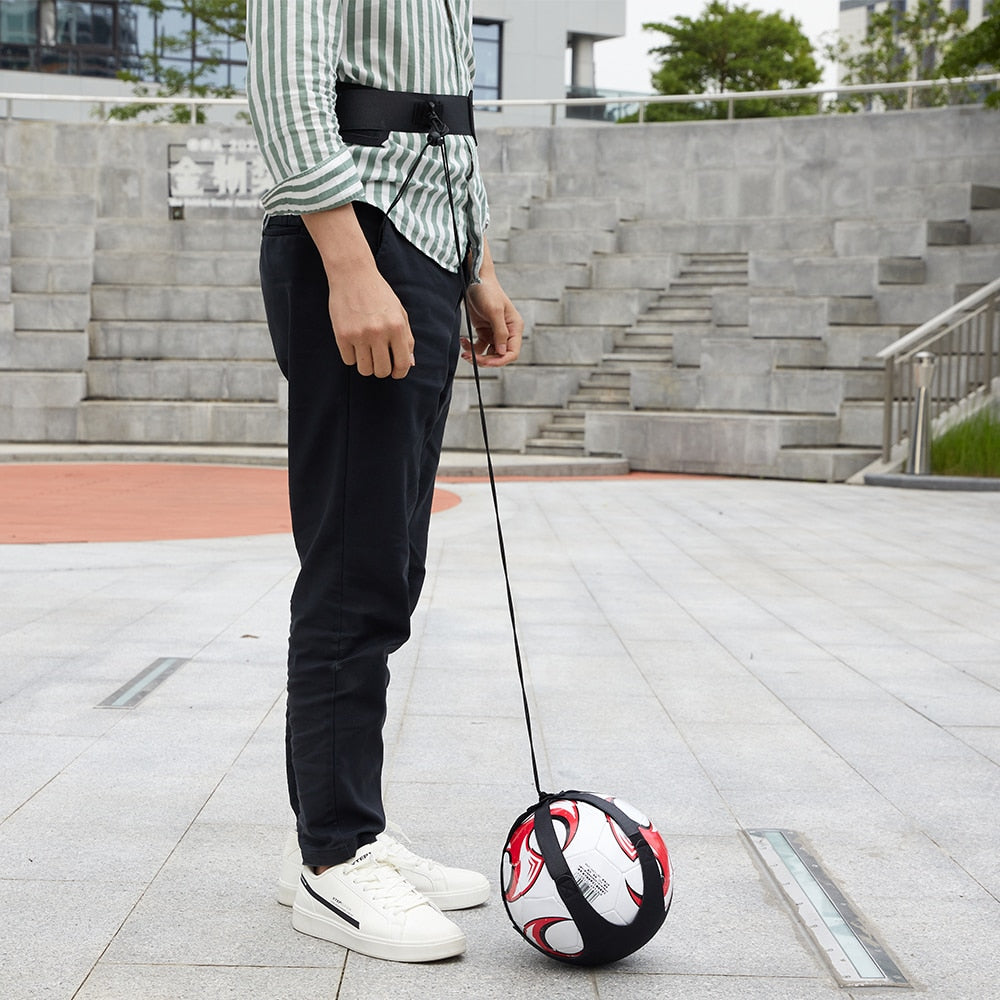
column 730, row 98
column 965, row 341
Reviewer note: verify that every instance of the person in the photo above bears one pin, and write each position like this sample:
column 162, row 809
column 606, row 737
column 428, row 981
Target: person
column 374, row 232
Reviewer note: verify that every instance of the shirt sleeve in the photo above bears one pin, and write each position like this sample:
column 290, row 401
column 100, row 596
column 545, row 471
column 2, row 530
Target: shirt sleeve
column 293, row 49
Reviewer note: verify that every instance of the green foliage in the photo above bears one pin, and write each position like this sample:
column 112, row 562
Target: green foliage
column 901, row 46
column 733, row 48
column 213, row 20
column 978, row 51
column 971, row 448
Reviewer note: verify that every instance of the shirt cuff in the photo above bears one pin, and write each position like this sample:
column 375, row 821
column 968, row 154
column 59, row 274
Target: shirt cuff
column 329, row 184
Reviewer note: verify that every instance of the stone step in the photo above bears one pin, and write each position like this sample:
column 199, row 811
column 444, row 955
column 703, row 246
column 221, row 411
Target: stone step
column 637, row 340
column 948, row 233
column 599, row 401
column 725, row 273
column 33, row 211
column 798, row 316
column 902, row 271
column 623, row 361
column 154, row 339
column 914, row 305
column 192, row 267
column 977, row 264
column 554, row 446
column 569, row 246
column 250, row 381
column 535, row 385
column 857, row 346
column 182, row 422
column 40, row 406
column 610, row 380
column 693, row 279
column 189, row 303
column 145, row 236
column 666, row 313
column 949, row 200
column 542, row 281
column 985, row 226
column 565, row 419
column 605, row 306
column 581, row 213
column 721, row 259
column 44, row 350
column 985, row 196
column 553, row 432
column 575, row 345
column 823, row 465
column 516, row 187
column 655, row 271
column 861, row 424
column 52, row 242
column 56, row 276
column 697, row 441
column 51, row 311
column 660, row 236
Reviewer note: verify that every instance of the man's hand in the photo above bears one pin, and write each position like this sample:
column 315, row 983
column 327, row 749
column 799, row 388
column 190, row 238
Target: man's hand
column 498, row 325
column 369, row 322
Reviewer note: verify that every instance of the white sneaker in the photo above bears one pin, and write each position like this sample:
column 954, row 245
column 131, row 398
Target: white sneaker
column 447, row 888
column 365, row 904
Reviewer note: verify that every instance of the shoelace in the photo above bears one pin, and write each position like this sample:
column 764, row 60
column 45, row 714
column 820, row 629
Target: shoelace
column 386, row 848
column 384, row 884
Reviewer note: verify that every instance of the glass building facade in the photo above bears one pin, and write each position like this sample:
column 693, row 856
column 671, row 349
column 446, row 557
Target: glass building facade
column 104, row 37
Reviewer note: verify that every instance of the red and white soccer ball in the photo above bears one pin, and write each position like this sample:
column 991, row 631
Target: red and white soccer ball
column 586, row 878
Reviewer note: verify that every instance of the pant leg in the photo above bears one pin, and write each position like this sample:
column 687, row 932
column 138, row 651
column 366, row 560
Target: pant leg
column 362, row 456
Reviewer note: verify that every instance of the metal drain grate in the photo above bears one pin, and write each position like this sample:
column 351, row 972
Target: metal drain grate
column 855, row 955
column 129, row 695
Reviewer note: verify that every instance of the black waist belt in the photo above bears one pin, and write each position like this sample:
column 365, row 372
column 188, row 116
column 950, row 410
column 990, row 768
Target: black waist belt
column 368, row 109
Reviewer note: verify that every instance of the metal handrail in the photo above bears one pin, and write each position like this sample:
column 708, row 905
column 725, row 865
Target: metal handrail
column 731, row 97
column 965, row 339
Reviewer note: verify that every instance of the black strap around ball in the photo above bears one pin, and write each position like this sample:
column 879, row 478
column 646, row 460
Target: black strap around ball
column 603, row 941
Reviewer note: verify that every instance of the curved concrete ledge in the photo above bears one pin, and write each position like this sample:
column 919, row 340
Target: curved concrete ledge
column 909, row 482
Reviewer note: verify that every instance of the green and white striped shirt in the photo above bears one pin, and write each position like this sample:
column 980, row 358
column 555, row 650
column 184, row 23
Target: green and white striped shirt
column 299, row 49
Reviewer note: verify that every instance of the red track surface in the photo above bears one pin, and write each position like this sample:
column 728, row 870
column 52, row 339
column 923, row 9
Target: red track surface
column 104, row 502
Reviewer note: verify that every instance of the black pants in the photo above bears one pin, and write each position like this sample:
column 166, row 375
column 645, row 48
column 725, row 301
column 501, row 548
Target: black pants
column 362, row 457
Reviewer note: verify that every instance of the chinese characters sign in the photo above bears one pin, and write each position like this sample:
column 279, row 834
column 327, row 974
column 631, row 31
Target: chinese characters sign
column 216, row 172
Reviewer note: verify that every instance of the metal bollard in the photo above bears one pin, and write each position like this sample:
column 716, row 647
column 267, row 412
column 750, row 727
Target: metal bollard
column 919, row 463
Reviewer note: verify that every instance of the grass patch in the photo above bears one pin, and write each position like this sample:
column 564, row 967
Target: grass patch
column 971, row 448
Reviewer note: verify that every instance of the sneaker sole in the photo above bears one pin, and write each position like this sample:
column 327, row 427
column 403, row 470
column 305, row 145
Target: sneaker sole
column 390, row 951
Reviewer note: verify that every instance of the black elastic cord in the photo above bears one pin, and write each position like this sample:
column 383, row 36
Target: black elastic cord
column 463, row 270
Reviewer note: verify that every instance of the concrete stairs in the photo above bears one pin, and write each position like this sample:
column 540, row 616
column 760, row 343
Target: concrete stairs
column 47, row 307
column 646, row 344
column 179, row 351
column 793, row 358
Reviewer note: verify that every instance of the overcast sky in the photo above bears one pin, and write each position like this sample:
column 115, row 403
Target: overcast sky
column 623, row 63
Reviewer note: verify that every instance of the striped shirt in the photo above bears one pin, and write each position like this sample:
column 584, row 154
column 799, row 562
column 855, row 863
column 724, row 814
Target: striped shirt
column 299, row 49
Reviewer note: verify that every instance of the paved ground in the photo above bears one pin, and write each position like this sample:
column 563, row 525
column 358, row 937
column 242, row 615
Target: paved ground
column 725, row 654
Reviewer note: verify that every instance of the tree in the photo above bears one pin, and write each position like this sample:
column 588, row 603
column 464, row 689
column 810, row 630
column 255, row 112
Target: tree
column 978, row 51
column 733, row 48
column 900, row 45
column 170, row 65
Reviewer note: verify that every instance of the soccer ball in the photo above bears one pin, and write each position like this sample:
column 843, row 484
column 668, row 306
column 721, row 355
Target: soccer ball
column 586, row 878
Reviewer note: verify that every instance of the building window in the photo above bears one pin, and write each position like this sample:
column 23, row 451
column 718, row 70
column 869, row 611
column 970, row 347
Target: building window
column 957, row 5
column 85, row 37
column 487, row 39
column 104, row 37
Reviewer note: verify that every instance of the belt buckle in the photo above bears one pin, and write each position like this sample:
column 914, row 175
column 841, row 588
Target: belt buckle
column 431, row 113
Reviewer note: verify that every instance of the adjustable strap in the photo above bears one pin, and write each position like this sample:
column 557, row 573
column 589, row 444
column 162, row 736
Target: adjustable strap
column 371, row 109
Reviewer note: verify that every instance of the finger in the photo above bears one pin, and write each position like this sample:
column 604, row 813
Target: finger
column 364, row 361
column 402, row 355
